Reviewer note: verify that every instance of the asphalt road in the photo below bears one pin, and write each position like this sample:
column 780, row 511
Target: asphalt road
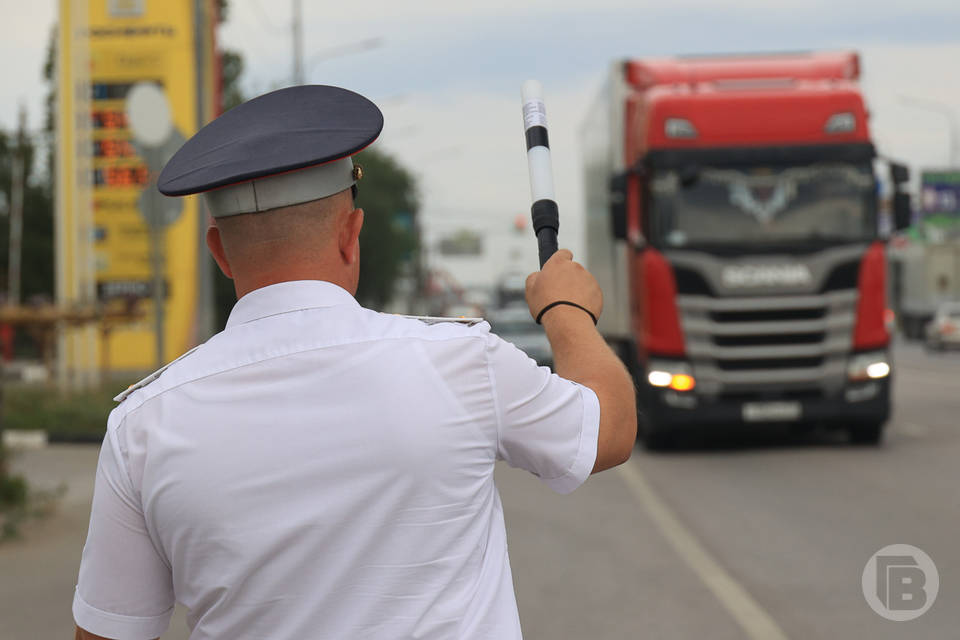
column 763, row 535
column 787, row 521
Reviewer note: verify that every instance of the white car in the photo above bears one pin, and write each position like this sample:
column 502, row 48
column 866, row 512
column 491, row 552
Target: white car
column 944, row 330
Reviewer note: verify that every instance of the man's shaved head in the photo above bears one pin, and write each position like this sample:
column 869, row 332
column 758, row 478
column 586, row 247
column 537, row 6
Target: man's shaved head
column 303, row 241
column 300, row 227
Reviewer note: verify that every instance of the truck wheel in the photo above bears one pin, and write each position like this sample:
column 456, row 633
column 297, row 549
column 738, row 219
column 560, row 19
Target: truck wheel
column 869, row 433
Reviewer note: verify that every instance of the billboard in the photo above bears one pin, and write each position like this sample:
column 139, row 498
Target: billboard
column 167, row 44
column 940, row 192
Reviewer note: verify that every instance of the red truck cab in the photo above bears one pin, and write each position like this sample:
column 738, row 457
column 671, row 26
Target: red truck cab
column 732, row 219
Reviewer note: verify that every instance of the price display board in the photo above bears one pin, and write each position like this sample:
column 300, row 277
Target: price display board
column 167, row 43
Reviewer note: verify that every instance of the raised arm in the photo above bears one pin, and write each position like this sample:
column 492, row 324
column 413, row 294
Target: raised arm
column 581, row 354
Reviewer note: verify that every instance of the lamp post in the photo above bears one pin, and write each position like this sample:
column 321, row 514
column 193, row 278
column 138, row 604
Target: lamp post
column 297, row 25
column 155, row 139
column 301, row 70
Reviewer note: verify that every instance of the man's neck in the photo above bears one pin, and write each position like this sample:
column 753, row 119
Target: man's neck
column 244, row 285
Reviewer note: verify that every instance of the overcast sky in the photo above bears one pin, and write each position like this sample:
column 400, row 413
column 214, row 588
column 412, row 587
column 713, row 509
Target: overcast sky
column 448, row 74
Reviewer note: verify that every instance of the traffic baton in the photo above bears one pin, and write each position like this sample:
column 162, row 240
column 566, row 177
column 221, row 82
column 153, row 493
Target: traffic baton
column 543, row 211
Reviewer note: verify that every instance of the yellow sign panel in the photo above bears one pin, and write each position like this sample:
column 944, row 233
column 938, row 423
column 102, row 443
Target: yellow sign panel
column 167, row 43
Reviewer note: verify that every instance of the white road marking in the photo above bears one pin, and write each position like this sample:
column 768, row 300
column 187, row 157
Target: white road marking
column 756, row 623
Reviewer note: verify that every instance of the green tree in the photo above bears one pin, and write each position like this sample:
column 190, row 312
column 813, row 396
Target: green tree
column 36, row 273
column 389, row 199
column 231, row 69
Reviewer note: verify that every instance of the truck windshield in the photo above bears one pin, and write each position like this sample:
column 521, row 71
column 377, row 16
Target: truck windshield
column 827, row 202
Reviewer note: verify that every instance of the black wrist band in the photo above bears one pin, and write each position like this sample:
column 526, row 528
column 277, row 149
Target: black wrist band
column 566, row 302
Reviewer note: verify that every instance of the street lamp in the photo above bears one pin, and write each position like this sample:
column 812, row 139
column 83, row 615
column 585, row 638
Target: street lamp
column 301, row 71
column 947, row 112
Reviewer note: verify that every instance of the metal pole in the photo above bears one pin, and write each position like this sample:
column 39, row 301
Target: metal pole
column 297, row 42
column 205, row 13
column 18, row 175
column 158, row 262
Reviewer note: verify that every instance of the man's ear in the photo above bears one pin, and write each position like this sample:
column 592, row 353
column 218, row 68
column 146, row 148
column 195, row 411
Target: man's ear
column 349, row 239
column 215, row 244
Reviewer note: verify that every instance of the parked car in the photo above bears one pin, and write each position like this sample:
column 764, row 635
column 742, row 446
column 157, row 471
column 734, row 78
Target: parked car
column 944, row 330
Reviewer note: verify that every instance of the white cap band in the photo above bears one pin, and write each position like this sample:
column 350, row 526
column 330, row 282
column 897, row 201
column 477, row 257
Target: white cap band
column 281, row 190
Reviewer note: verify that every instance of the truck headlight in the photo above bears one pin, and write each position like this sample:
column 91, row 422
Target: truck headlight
column 672, row 375
column 868, row 366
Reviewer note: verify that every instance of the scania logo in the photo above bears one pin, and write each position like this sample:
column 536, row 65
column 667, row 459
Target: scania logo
column 766, row 275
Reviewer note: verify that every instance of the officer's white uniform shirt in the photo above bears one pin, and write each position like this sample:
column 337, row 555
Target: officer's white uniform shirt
column 320, row 470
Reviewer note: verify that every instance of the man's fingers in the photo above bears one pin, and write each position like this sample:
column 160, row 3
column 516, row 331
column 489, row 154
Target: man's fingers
column 530, row 280
column 561, row 255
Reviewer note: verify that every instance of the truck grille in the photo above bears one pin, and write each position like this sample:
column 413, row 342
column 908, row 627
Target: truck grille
column 771, row 363
column 763, row 315
column 758, row 341
column 747, row 344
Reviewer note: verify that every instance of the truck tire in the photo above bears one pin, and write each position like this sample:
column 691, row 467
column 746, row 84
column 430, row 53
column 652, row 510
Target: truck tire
column 866, row 433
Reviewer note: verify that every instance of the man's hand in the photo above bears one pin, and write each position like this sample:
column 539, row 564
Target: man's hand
column 580, row 353
column 563, row 279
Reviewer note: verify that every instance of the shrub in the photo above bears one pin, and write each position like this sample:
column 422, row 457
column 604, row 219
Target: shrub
column 13, row 492
column 66, row 417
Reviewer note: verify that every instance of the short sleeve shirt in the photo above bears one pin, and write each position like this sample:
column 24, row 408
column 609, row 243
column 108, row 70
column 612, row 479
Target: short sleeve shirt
column 321, row 470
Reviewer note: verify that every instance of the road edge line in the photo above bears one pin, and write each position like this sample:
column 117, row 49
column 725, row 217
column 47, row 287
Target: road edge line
column 752, row 618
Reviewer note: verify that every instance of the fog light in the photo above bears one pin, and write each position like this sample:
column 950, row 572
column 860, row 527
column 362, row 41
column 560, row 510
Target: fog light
column 861, row 393
column 680, row 400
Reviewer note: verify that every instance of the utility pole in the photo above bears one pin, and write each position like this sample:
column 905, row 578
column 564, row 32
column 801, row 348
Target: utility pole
column 297, row 25
column 18, row 173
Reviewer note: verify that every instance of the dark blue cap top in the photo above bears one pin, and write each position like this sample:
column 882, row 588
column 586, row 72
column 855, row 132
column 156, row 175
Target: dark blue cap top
column 280, row 131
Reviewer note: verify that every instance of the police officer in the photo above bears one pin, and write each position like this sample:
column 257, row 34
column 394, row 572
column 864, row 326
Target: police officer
column 318, row 469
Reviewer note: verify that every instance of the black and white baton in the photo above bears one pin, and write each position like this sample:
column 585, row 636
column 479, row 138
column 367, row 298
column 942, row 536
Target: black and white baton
column 544, row 211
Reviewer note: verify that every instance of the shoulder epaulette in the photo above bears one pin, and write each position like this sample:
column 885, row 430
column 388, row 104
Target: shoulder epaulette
column 437, row 319
column 120, row 397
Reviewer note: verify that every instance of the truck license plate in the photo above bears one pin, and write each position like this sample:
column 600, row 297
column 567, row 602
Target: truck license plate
column 771, row 411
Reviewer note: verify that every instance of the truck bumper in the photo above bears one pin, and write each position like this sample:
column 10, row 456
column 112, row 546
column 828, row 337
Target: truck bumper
column 867, row 402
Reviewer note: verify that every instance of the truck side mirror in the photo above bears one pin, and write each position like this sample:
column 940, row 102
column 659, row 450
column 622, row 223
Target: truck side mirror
column 899, row 173
column 618, row 206
column 901, row 211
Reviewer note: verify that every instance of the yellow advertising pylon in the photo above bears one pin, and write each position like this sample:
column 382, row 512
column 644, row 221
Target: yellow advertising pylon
column 106, row 47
